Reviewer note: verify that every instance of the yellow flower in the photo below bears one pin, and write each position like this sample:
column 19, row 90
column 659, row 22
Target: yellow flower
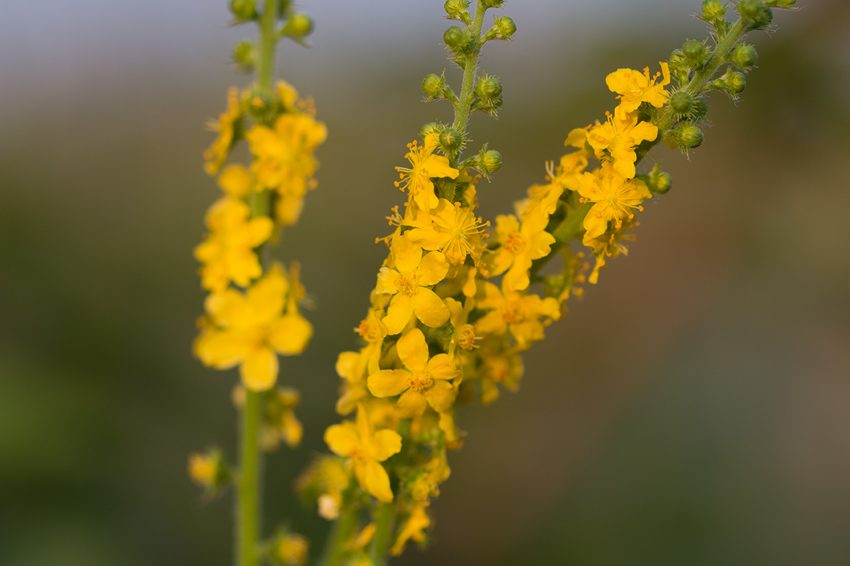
column 608, row 245
column 366, row 448
column 227, row 122
column 425, row 166
column 409, row 282
column 284, row 158
column 414, row 528
column 634, row 88
column 235, row 180
column 463, row 335
column 291, row 550
column 614, row 199
column 450, row 228
column 248, row 329
column 618, row 137
column 424, row 379
column 227, row 253
column 520, row 314
column 203, row 469
column 519, row 246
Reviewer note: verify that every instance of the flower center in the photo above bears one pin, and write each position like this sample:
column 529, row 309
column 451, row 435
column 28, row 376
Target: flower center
column 420, row 381
column 511, row 313
column 407, row 284
column 369, row 332
column 357, row 456
column 466, row 337
column 514, row 242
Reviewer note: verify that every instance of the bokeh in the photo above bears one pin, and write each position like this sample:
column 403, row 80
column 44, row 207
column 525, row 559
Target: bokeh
column 693, row 408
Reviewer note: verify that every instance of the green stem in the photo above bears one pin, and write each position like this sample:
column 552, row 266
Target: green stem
column 343, row 530
column 268, row 40
column 384, row 523
column 248, row 519
column 467, row 94
column 571, row 225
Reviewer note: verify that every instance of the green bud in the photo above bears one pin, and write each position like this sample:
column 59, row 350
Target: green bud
column 489, row 87
column 492, row 4
column 699, row 108
column 454, row 37
column 712, row 8
column 690, row 137
column 432, row 85
column 660, row 183
column 244, row 10
column 763, row 19
column 245, row 55
column 782, row 3
column 492, row 161
column 506, row 27
column 736, row 82
column 694, row 52
column 457, row 10
column 429, row 128
column 745, row 56
column 298, row 26
column 450, row 140
column 681, row 102
column 749, row 9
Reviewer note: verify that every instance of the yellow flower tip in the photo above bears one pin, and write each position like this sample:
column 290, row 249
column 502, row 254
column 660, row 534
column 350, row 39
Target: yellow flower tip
column 202, row 469
column 292, row 550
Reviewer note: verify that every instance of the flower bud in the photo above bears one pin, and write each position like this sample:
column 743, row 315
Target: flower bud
column 489, row 87
column 763, row 19
column 689, row 137
column 457, row 10
column 492, row 161
column 736, row 82
column 492, row 4
column 506, row 26
column 660, row 182
column 291, row 550
column 745, row 56
column 244, row 10
column 681, row 102
column 245, row 55
column 450, row 140
column 749, row 9
column 298, row 26
column 429, row 128
column 454, row 37
column 431, row 85
column 208, row 470
column 699, row 107
column 694, row 51
column 712, row 8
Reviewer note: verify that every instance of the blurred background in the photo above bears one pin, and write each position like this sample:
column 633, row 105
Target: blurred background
column 693, row 408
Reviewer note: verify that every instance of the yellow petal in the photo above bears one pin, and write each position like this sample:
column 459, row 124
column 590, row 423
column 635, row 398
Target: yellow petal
column 441, row 396
column 364, row 425
column 440, row 367
column 413, row 350
column 432, row 269
column 429, row 308
column 259, row 369
column 398, row 314
column 406, row 254
column 384, row 444
column 491, row 323
column 222, row 350
column 235, row 180
column 342, row 438
column 388, row 382
column 374, row 480
column 411, row 404
column 577, row 138
column 438, row 166
column 290, row 334
column 387, row 279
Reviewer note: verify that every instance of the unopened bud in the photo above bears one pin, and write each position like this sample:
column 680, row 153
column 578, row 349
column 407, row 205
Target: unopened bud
column 245, row 55
column 700, row 107
column 712, row 8
column 492, row 3
column 457, row 10
column 429, row 128
column 661, row 183
column 492, row 161
column 298, row 26
column 749, row 9
column 681, row 102
column 506, row 26
column 736, row 82
column 694, row 51
column 489, row 87
column 690, row 137
column 745, row 56
column 244, row 10
column 454, row 37
column 450, row 140
column 431, row 85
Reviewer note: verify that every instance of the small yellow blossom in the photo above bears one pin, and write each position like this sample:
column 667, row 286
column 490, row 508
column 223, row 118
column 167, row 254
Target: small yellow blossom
column 424, row 166
column 424, row 379
column 616, row 140
column 463, row 335
column 291, row 550
column 227, row 253
column 409, row 284
column 226, row 125
column 284, row 158
column 635, row 87
column 613, row 196
column 520, row 244
column 203, row 469
column 366, row 449
column 518, row 313
column 235, row 180
column 450, row 228
column 413, row 529
column 248, row 329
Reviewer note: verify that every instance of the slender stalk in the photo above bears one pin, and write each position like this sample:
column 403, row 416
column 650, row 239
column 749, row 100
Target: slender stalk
column 249, row 511
column 343, row 530
column 384, row 523
column 571, row 225
column 467, row 94
column 248, row 525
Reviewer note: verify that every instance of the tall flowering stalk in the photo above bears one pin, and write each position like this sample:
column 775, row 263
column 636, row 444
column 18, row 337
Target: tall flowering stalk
column 457, row 299
column 252, row 313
